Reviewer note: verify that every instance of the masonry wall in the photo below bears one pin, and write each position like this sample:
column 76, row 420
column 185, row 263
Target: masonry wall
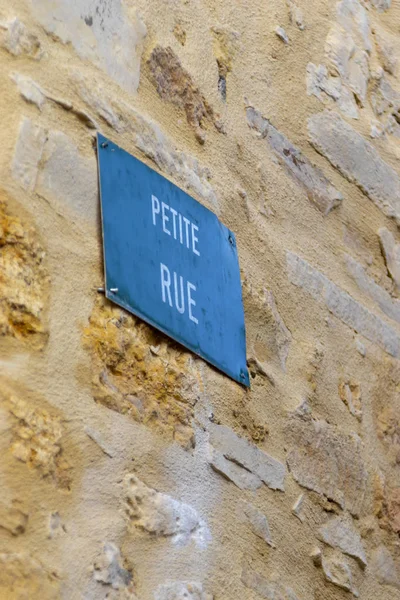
column 129, row 468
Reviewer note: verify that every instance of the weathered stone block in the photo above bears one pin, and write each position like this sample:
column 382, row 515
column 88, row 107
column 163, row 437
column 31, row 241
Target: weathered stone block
column 29, row 90
column 356, row 159
column 109, row 570
column 139, row 374
column 24, row 280
column 259, row 523
column 318, row 188
column 161, row 515
column 390, row 306
column 18, row 41
column 233, row 472
column 182, row 590
column 67, row 179
column 176, row 85
column 37, row 438
column 391, row 253
column 108, row 33
column 324, row 459
column 28, row 153
column 342, row 305
column 383, row 567
column 338, row 572
column 340, row 533
column 238, row 450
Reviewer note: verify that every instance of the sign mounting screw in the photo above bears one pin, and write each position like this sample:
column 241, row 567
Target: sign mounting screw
column 231, row 241
column 104, row 144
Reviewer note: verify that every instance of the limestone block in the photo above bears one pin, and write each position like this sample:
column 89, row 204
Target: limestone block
column 390, row 306
column 29, row 90
column 161, row 515
column 18, row 40
column 352, row 16
column 259, row 523
column 318, row 188
column 110, row 571
column 181, row 590
column 383, row 567
column 391, row 253
column 238, row 450
column 356, row 159
column 381, row 5
column 67, row 179
column 108, row 33
column 296, row 14
column 24, row 280
column 96, row 99
column 350, row 394
column 37, row 438
column 233, row 472
column 324, row 459
column 338, row 572
column 159, row 389
column 342, row 305
column 175, row 84
column 340, row 533
column 28, row 153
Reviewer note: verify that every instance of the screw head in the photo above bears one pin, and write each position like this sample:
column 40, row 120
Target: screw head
column 104, row 144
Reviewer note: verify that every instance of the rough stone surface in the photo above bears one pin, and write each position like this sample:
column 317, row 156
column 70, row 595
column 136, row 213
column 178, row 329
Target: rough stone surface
column 384, row 568
column 318, row 188
column 269, row 470
column 387, row 304
column 22, row 576
column 37, row 438
column 182, row 590
column 109, row 34
column 139, row 374
column 338, row 572
column 327, row 461
column 18, row 41
column 110, row 571
column 356, row 159
column 67, row 179
column 270, row 590
column 391, row 253
column 12, row 519
column 342, row 305
column 89, row 393
column 259, row 523
column 161, row 515
column 28, row 153
column 350, row 394
column 242, row 478
column 23, row 280
column 296, row 14
column 394, row 509
column 340, row 533
column 29, row 90
column 176, row 85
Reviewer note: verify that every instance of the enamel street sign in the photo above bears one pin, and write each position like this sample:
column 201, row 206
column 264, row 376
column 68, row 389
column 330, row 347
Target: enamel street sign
column 170, row 261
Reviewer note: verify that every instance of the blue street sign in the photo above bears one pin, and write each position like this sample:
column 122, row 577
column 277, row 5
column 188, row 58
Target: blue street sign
column 170, row 261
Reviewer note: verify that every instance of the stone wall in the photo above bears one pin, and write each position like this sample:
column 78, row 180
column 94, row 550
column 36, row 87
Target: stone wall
column 129, row 468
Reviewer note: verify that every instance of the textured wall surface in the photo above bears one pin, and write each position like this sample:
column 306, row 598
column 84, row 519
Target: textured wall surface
column 129, row 468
